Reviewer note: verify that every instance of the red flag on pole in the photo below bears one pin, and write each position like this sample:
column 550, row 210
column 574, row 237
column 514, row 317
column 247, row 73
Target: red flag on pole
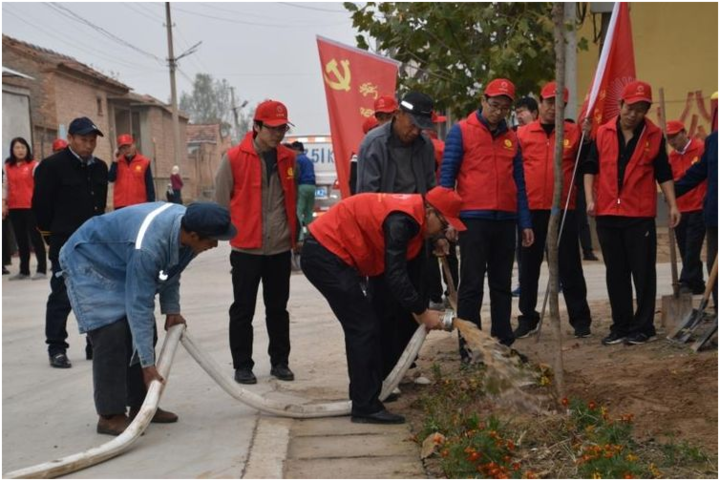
column 353, row 79
column 616, row 68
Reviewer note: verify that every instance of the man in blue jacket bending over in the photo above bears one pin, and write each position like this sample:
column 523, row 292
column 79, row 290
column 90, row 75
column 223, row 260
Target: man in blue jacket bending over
column 114, row 265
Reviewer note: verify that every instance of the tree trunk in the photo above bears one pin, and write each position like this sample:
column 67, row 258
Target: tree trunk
column 553, row 228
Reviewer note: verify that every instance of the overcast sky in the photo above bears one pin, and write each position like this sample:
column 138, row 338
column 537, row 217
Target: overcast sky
column 265, row 50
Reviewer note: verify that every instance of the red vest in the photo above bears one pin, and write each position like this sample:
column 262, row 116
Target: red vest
column 353, row 229
column 246, row 198
column 20, row 184
column 638, row 197
column 485, row 180
column 538, row 153
column 693, row 200
column 129, row 188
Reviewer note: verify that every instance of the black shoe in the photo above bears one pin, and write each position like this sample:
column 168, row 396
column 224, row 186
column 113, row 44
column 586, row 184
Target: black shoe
column 525, row 329
column 380, row 417
column 60, row 360
column 5, row 271
column 245, row 376
column 282, row 372
column 637, row 338
column 392, row 397
column 516, row 292
column 590, row 256
column 613, row 338
column 582, row 332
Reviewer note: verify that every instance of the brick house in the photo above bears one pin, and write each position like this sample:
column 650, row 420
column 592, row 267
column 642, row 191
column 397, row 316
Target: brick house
column 62, row 88
column 206, row 145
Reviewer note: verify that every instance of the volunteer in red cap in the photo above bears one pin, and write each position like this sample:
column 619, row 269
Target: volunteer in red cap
column 690, row 232
column 369, row 235
column 537, row 141
column 131, row 175
column 626, row 160
column 385, row 108
column 483, row 158
column 58, row 145
column 256, row 180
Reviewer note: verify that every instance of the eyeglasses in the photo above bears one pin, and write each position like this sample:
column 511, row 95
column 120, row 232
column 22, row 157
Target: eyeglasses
column 280, row 129
column 498, row 107
column 443, row 222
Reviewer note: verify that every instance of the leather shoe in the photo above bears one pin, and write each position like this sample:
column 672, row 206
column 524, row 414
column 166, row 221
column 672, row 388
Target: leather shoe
column 161, row 416
column 282, row 372
column 113, row 425
column 245, row 376
column 380, row 417
column 60, row 360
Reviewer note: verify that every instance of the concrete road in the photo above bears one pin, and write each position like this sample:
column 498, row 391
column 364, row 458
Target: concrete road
column 49, row 413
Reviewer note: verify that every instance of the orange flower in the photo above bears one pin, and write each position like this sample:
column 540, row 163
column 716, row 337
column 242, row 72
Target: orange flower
column 530, row 475
column 565, row 402
column 510, row 445
column 474, row 456
column 592, row 406
column 444, row 453
column 628, row 476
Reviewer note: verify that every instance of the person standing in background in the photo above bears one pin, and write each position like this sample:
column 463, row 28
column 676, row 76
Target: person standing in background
column 177, row 184
column 19, row 171
column 131, row 174
column 306, row 187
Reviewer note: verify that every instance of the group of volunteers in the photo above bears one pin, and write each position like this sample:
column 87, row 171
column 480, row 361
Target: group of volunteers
column 374, row 255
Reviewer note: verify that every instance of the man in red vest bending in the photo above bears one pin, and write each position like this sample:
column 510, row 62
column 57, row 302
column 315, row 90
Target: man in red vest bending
column 256, row 180
column 130, row 172
column 537, row 141
column 368, row 235
column 626, row 159
column 690, row 232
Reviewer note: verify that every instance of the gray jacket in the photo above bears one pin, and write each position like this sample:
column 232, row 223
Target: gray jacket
column 376, row 170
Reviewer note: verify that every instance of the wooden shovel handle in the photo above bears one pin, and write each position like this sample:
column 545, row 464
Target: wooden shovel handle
column 452, row 292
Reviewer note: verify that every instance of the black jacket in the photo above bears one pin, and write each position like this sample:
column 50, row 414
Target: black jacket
column 67, row 193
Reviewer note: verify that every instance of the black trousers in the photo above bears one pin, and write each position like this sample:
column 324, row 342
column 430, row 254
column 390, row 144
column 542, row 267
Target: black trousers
column 397, row 324
column 712, row 244
column 572, row 279
column 629, row 250
column 341, row 285
column 8, row 242
column 583, row 226
column 117, row 383
column 487, row 246
column 434, row 273
column 23, row 222
column 690, row 234
column 247, row 272
column 57, row 312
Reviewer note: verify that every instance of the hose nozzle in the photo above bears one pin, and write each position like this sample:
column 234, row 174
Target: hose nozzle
column 447, row 322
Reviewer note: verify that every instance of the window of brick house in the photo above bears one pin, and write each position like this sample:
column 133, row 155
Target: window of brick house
column 99, row 106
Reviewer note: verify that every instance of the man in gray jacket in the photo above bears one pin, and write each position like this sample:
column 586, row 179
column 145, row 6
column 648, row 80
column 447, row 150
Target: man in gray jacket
column 398, row 158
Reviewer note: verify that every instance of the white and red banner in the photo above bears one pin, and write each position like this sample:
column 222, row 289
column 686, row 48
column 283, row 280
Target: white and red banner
column 616, row 68
column 353, row 79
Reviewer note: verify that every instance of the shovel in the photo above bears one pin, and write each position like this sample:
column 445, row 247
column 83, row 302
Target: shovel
column 678, row 305
column 684, row 329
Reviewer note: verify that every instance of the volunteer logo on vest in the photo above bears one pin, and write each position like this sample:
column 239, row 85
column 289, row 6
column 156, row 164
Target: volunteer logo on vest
column 694, row 160
column 290, row 173
column 566, row 143
column 508, row 144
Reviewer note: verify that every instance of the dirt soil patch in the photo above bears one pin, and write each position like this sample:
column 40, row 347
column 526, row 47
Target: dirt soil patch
column 672, row 392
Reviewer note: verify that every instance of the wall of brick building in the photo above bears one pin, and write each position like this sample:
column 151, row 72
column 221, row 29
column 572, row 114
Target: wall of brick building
column 157, row 122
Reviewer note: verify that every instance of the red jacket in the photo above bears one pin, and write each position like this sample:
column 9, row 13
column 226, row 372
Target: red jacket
column 638, row 197
column 693, row 200
column 538, row 151
column 129, row 187
column 353, row 229
column 485, row 180
column 439, row 147
column 20, row 184
column 246, row 198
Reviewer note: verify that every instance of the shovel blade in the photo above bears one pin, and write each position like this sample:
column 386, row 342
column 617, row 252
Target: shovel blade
column 674, row 309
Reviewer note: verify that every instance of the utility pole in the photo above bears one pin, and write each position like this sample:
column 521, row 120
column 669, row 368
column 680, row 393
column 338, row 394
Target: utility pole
column 173, row 89
column 235, row 110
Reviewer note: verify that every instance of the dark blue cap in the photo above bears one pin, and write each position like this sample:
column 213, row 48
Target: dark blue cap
column 209, row 220
column 83, row 126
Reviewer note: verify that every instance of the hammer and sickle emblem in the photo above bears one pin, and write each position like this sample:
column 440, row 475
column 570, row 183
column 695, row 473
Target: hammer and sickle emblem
column 342, row 81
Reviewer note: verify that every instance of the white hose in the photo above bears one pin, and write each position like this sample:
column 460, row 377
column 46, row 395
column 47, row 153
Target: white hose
column 408, row 357
column 121, row 443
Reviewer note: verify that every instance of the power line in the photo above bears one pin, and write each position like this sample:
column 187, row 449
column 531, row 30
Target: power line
column 143, row 14
column 317, row 9
column 148, row 11
column 73, row 16
column 253, row 24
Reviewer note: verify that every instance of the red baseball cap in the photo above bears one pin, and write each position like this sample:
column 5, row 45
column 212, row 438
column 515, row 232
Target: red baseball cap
column 500, row 86
column 59, row 144
column 548, row 91
column 369, row 124
column 637, row 91
column 386, row 104
column 124, row 139
column 448, row 203
column 674, row 127
column 438, row 119
column 272, row 113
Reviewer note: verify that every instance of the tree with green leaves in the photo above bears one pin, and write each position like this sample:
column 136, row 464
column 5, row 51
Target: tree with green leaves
column 451, row 50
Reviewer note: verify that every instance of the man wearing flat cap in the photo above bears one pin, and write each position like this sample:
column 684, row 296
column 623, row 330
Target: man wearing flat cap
column 625, row 162
column 114, row 266
column 398, row 158
column 70, row 187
